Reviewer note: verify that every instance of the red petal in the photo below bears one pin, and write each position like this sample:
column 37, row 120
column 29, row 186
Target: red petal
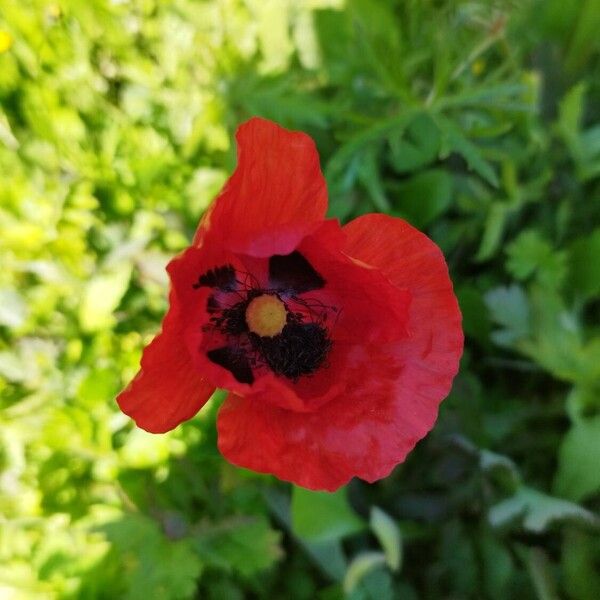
column 364, row 432
column 393, row 391
column 168, row 389
column 411, row 261
column 276, row 195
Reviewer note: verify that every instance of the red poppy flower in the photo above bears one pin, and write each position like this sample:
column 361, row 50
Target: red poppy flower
column 337, row 344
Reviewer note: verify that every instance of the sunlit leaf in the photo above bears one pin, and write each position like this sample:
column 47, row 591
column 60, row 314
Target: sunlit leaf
column 12, row 308
column 101, row 297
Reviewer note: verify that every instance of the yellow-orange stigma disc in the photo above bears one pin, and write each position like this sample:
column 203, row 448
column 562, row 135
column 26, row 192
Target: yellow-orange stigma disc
column 266, row 316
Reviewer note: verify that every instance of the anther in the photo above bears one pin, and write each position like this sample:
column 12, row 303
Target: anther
column 266, row 315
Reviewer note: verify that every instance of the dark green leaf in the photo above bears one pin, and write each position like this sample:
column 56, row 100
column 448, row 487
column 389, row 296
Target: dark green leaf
column 418, row 145
column 425, row 196
column 456, row 141
column 584, row 268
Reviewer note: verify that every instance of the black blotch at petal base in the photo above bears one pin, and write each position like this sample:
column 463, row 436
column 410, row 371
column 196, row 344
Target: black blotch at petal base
column 293, row 273
column 234, row 360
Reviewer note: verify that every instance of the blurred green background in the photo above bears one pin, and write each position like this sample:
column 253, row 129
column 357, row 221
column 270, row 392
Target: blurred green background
column 479, row 122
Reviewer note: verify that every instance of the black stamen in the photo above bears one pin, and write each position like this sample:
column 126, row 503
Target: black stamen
column 300, row 349
column 228, row 320
column 293, row 273
column 234, row 360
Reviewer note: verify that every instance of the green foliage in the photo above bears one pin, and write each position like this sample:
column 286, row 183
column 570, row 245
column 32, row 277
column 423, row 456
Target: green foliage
column 152, row 566
column 244, row 545
column 584, row 272
column 388, row 535
column 321, row 516
column 476, row 121
column 361, row 565
column 539, row 511
column 530, row 254
column 578, row 475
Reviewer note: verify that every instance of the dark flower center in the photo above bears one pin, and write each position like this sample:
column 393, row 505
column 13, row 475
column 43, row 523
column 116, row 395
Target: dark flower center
column 279, row 327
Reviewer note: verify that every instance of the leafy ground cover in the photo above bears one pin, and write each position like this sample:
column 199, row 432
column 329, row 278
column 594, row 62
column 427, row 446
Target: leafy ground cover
column 479, row 122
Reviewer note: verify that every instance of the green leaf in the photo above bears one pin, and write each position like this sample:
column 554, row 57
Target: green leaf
column 583, row 41
column 502, row 467
column 540, row 571
column 571, row 112
column 376, row 584
column 328, row 556
column 425, row 196
column 539, row 512
column 498, row 567
column 584, row 146
column 334, row 33
column 99, row 385
column 142, row 450
column 378, row 41
column 12, row 308
column 101, row 296
column 371, row 178
column 245, row 545
column 509, row 307
column 152, row 565
column 388, row 533
column 579, row 560
column 359, row 567
column 458, row 554
column 493, row 231
column 556, row 342
column 590, row 138
column 529, row 253
column 12, row 367
column 578, row 474
column 499, row 467
column 476, row 320
column 350, row 152
column 273, row 34
column 584, row 268
column 321, row 516
column 455, row 141
column 418, row 145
